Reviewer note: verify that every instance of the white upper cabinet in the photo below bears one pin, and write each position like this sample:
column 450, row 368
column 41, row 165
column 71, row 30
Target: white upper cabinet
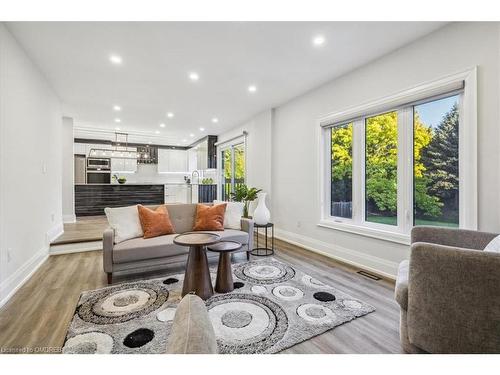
column 202, row 155
column 172, row 160
column 192, row 159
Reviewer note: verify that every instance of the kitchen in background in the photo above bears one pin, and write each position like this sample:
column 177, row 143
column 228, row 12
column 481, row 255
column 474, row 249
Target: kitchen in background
column 117, row 173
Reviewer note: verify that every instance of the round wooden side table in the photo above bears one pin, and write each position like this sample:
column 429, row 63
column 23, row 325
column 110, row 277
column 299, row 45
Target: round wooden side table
column 224, row 281
column 266, row 250
column 197, row 276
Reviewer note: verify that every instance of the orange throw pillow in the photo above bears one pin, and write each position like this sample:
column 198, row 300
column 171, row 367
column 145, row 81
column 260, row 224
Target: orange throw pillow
column 210, row 217
column 155, row 222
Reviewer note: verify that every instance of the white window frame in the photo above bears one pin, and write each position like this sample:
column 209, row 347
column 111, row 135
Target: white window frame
column 400, row 102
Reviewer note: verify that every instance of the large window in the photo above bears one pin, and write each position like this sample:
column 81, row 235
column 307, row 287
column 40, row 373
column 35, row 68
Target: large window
column 405, row 161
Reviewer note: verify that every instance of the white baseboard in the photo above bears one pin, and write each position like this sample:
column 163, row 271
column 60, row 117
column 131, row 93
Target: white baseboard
column 69, row 218
column 355, row 258
column 15, row 281
column 54, row 232
column 75, row 247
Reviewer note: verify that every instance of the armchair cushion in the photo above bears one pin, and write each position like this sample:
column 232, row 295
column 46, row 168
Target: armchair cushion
column 454, row 299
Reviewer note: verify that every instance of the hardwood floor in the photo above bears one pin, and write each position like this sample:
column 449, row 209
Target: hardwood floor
column 86, row 228
column 39, row 313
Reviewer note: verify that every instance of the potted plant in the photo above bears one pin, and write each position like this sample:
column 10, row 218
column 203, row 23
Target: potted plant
column 242, row 193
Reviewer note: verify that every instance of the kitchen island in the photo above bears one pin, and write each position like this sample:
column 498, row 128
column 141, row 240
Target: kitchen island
column 91, row 199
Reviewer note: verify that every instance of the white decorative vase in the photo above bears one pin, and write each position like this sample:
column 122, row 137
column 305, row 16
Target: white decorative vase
column 261, row 215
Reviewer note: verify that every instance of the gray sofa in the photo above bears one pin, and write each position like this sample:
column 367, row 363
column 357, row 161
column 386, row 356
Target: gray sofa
column 141, row 254
column 449, row 293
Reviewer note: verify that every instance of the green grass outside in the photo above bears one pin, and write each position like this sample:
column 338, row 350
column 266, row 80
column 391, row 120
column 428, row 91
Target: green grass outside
column 393, row 221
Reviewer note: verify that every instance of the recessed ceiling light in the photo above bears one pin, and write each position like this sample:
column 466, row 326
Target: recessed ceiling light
column 118, row 120
column 202, row 129
column 252, row 88
column 117, row 108
column 115, row 59
column 170, row 115
column 162, row 125
column 193, row 76
column 319, row 40
column 184, row 140
column 191, row 135
column 117, row 128
column 215, row 120
column 157, row 132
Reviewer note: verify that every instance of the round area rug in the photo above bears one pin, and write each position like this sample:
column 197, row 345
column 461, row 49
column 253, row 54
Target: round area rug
column 246, row 323
column 266, row 272
column 122, row 303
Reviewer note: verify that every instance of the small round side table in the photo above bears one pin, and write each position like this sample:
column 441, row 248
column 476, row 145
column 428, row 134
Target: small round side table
column 197, row 276
column 224, row 281
column 266, row 250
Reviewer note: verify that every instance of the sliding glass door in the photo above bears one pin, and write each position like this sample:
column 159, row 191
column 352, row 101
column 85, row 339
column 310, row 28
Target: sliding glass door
column 232, row 169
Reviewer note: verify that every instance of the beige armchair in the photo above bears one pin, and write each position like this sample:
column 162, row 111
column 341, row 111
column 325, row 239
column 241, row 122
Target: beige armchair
column 449, row 293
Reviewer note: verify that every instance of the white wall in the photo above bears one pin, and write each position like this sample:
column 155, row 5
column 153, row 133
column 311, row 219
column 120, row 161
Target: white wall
column 259, row 143
column 295, row 186
column 30, row 166
column 68, row 174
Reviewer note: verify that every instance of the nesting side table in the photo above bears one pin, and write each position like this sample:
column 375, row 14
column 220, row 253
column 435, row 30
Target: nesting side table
column 197, row 276
column 224, row 281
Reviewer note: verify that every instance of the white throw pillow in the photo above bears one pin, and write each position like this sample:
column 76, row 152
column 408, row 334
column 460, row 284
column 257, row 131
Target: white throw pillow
column 234, row 212
column 125, row 221
column 494, row 245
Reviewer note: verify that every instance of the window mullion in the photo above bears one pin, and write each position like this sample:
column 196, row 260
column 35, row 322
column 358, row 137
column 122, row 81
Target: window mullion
column 358, row 171
column 405, row 169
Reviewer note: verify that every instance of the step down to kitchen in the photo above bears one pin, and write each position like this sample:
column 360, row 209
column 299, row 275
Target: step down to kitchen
column 74, row 247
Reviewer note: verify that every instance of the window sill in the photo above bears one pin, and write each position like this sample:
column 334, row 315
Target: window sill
column 379, row 234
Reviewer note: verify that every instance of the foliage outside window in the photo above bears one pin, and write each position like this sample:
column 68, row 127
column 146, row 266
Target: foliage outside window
column 341, row 168
column 381, row 156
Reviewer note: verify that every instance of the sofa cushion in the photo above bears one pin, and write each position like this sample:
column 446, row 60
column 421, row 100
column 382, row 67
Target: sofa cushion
column 182, row 216
column 401, row 292
column 139, row 249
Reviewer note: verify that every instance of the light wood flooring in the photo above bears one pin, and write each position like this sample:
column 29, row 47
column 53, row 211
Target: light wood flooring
column 38, row 315
column 86, row 229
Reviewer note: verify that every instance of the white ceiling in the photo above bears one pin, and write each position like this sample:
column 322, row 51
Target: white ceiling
column 278, row 57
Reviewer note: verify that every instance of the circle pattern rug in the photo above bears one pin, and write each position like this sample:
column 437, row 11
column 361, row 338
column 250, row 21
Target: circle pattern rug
column 273, row 307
